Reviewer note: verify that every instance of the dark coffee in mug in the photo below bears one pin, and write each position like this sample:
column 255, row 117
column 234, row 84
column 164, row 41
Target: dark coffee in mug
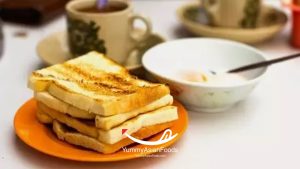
column 110, row 7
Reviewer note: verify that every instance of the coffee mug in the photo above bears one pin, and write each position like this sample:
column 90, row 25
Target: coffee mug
column 233, row 13
column 110, row 32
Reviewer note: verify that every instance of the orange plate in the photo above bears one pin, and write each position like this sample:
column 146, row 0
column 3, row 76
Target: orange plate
column 40, row 137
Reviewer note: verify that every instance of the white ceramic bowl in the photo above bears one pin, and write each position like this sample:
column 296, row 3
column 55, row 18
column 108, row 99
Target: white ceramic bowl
column 165, row 60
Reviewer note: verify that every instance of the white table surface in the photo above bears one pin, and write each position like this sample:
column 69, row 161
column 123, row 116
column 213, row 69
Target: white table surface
column 260, row 132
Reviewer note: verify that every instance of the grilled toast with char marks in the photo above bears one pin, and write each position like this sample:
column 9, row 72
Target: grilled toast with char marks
column 96, row 84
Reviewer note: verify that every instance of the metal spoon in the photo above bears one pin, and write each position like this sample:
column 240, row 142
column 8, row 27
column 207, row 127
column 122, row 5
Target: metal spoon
column 259, row 64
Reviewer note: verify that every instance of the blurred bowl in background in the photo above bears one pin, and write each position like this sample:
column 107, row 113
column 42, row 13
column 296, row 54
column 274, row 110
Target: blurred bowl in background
column 271, row 22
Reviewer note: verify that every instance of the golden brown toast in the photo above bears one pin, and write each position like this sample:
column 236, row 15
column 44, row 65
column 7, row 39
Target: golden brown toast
column 43, row 117
column 102, row 122
column 54, row 103
column 94, row 144
column 87, row 127
column 96, row 84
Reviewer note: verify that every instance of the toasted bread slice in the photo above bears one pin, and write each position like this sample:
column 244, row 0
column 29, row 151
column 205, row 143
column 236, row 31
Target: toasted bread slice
column 102, row 122
column 56, row 104
column 161, row 115
column 96, row 84
column 109, row 122
column 43, row 117
column 93, row 144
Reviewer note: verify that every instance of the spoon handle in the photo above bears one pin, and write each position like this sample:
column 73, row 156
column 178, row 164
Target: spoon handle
column 264, row 63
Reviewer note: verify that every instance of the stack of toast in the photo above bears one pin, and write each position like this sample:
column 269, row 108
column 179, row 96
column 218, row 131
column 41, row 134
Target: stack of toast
column 90, row 99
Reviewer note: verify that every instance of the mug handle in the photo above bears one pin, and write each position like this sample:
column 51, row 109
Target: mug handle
column 146, row 21
column 212, row 7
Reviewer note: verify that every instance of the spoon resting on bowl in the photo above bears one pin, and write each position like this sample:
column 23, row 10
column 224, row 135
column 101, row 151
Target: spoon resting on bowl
column 231, row 76
column 259, row 64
